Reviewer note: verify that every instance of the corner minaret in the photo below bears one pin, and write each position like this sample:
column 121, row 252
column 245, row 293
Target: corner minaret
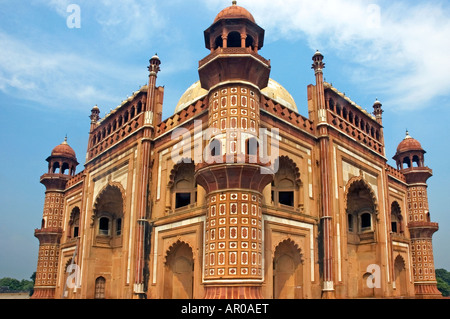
column 410, row 161
column 61, row 167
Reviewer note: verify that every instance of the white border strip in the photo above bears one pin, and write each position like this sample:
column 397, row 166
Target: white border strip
column 310, row 227
column 409, row 258
column 158, row 229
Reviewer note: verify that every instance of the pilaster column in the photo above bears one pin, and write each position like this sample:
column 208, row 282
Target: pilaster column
column 139, row 285
column 325, row 176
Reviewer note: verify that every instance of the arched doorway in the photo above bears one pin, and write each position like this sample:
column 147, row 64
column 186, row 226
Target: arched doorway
column 100, row 284
column 179, row 271
column 287, row 272
column 400, row 277
column 361, row 208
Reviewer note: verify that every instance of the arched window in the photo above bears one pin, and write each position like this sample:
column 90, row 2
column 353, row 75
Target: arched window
column 331, row 105
column 361, row 208
column 407, row 161
column 285, row 186
column 103, row 226
column 234, row 40
column 366, row 221
column 139, row 108
column 55, row 168
column 100, row 284
column 338, row 109
column 219, row 42
column 65, row 168
column 286, row 192
column 74, row 223
column 108, row 212
column 249, row 41
column 183, row 186
column 416, row 161
column 396, row 218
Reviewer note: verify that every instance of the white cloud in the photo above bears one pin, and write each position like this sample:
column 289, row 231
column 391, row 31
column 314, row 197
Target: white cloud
column 129, row 20
column 404, row 56
column 57, row 79
column 60, row 6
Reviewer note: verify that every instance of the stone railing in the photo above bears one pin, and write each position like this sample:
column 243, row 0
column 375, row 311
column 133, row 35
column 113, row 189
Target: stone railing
column 225, row 51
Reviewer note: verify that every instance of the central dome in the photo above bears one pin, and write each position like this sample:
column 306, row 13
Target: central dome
column 234, row 12
column 274, row 91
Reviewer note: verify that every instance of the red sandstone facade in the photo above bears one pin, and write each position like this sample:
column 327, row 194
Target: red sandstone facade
column 324, row 216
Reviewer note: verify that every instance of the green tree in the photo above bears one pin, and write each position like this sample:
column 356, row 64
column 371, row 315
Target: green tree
column 443, row 281
column 17, row 285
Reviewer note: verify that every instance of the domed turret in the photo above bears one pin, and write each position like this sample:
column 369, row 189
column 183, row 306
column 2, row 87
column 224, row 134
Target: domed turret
column 410, row 161
column 234, row 40
column 62, row 160
column 409, row 153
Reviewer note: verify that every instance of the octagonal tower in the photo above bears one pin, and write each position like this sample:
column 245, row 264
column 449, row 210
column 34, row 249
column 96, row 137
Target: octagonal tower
column 234, row 173
column 61, row 167
column 410, row 161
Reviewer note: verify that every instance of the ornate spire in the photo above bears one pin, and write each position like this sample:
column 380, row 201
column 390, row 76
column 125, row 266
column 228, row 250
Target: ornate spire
column 378, row 111
column 155, row 62
column 318, row 64
column 407, row 135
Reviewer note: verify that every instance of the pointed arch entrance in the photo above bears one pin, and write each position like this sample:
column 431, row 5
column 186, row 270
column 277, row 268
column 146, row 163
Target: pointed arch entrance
column 400, row 277
column 287, row 271
column 178, row 272
column 361, row 207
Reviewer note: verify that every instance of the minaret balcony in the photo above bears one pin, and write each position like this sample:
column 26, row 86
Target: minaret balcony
column 49, row 235
column 422, row 229
column 234, row 171
column 234, row 64
column 417, row 174
column 232, row 51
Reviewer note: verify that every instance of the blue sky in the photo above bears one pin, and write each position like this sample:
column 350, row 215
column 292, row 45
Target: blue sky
column 52, row 75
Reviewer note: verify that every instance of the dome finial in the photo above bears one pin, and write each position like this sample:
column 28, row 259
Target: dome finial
column 234, row 2
column 407, row 135
column 65, row 140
